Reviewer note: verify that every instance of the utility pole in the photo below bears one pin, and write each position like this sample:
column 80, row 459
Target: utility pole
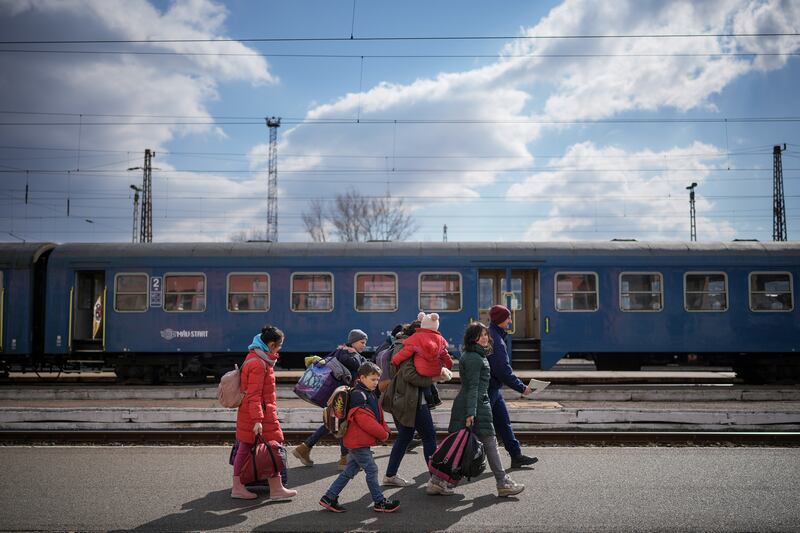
column 272, row 184
column 135, row 236
column 444, row 233
column 692, row 214
column 146, row 233
column 779, row 232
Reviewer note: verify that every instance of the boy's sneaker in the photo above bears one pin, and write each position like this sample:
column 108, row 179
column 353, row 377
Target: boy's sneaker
column 395, row 481
column 387, row 506
column 331, row 504
column 438, row 486
column 509, row 487
column 523, row 460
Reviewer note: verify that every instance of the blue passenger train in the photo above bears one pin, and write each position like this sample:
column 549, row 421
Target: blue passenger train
column 162, row 311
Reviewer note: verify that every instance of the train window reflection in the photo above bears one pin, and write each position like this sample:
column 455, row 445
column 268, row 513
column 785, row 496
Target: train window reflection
column 376, row 291
column 705, row 291
column 248, row 292
column 771, row 291
column 641, row 291
column 576, row 291
column 184, row 293
column 130, row 293
column 439, row 291
column 312, row 292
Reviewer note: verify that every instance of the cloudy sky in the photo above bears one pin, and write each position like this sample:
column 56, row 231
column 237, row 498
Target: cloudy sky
column 574, row 121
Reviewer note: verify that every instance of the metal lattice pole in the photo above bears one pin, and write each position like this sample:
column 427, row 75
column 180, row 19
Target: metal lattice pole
column 146, row 234
column 779, row 232
column 272, row 184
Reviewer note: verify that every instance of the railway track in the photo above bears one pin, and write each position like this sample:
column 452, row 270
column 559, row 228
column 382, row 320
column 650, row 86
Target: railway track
column 544, row 438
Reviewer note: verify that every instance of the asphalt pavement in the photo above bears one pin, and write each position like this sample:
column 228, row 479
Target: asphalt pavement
column 570, row 489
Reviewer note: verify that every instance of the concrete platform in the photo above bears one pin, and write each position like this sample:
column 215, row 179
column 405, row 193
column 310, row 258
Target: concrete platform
column 297, row 415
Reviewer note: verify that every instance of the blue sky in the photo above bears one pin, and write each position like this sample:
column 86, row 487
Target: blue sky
column 596, row 143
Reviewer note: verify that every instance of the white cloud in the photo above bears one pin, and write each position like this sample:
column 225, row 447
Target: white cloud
column 120, row 86
column 566, row 89
column 603, row 193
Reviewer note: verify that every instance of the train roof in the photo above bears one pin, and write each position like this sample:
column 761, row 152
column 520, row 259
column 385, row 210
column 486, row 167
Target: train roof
column 410, row 249
column 22, row 255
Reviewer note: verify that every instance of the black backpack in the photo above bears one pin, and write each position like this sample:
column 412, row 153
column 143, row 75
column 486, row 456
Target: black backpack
column 473, row 463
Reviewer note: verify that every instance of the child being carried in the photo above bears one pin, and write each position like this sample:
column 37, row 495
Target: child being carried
column 428, row 347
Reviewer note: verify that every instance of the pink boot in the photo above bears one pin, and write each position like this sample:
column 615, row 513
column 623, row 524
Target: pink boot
column 239, row 491
column 277, row 491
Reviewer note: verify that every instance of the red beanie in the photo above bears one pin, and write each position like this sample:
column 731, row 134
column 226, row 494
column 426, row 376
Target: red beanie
column 499, row 313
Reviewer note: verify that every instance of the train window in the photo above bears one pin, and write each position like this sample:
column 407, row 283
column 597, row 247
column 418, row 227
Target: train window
column 576, row 291
column 248, row 292
column 185, row 292
column 376, row 291
column 312, row 292
column 485, row 293
column 641, row 291
column 705, row 291
column 440, row 291
column 771, row 291
column 130, row 293
column 516, row 288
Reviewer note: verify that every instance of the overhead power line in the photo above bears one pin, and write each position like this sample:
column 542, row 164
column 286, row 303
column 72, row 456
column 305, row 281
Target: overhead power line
column 268, row 55
column 409, row 38
column 372, row 121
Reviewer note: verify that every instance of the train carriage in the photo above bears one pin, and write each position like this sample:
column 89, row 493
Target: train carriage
column 162, row 310
column 22, row 272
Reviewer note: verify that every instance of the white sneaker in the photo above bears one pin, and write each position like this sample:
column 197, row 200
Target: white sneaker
column 509, row 487
column 441, row 487
column 395, row 481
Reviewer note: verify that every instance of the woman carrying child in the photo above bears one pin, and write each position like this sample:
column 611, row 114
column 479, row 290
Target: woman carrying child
column 408, row 400
column 258, row 412
column 471, row 407
column 350, row 356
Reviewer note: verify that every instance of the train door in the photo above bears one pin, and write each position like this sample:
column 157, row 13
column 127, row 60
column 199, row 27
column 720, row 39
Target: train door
column 523, row 301
column 88, row 311
column 2, row 310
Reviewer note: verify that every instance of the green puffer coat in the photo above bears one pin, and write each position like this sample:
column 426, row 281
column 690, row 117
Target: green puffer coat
column 472, row 399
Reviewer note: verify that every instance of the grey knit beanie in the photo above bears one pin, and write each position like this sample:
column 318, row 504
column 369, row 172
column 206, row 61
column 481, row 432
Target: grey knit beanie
column 355, row 336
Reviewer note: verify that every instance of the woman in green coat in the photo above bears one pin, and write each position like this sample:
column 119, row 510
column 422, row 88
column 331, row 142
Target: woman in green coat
column 471, row 407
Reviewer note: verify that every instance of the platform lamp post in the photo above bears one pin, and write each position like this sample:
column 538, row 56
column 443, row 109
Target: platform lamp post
column 692, row 217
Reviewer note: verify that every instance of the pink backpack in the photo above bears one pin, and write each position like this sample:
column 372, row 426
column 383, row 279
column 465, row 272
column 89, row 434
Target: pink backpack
column 229, row 390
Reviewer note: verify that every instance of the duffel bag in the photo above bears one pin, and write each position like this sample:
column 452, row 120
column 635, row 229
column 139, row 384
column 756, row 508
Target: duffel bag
column 266, row 459
column 317, row 383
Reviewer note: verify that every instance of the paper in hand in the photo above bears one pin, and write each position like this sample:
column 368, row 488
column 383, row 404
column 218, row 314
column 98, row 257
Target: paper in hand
column 537, row 386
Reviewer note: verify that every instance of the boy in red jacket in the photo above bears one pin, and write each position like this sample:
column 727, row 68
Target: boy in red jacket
column 366, row 426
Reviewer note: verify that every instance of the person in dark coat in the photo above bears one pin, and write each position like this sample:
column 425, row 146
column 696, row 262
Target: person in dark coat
column 502, row 374
column 350, row 356
column 471, row 407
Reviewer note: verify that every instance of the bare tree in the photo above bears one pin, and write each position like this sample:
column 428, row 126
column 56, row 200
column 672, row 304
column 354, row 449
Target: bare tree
column 252, row 234
column 356, row 218
column 315, row 221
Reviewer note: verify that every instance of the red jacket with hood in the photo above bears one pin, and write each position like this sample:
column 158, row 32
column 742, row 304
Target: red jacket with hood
column 429, row 349
column 260, row 401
